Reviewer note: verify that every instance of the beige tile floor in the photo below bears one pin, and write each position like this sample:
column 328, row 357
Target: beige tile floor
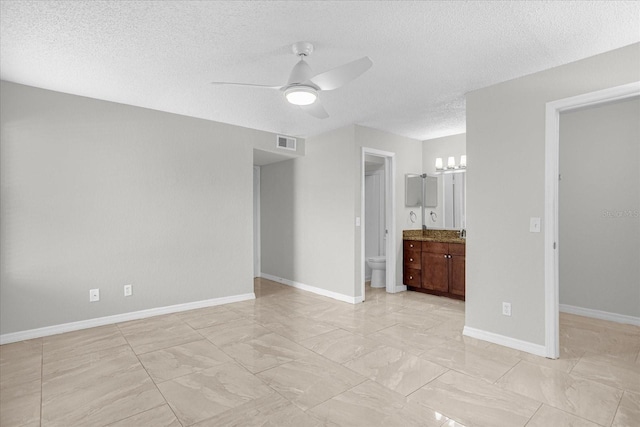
column 292, row 358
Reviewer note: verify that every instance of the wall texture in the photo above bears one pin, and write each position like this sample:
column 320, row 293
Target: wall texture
column 600, row 208
column 454, row 145
column 96, row 194
column 505, row 187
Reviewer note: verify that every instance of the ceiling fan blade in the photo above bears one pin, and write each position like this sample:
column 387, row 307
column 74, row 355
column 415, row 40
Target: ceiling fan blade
column 316, row 110
column 246, row 84
column 339, row 76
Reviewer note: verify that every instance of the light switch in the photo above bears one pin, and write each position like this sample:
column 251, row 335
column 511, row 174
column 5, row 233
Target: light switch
column 534, row 225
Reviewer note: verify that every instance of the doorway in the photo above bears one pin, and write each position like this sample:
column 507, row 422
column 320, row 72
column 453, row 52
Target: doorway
column 552, row 178
column 374, row 219
column 387, row 159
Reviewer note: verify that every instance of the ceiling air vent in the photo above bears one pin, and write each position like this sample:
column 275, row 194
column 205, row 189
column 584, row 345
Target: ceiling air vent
column 286, row 143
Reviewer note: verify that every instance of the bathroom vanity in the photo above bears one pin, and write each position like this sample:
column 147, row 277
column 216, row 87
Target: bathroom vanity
column 434, row 262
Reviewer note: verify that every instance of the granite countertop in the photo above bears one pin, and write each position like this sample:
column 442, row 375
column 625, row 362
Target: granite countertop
column 442, row 236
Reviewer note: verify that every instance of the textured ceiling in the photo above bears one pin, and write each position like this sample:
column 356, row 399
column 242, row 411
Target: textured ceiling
column 427, row 55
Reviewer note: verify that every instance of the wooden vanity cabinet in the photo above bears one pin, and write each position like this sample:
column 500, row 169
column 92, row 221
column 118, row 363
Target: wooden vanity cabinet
column 412, row 269
column 441, row 270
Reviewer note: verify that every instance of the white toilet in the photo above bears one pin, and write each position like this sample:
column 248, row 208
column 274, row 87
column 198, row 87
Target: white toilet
column 378, row 265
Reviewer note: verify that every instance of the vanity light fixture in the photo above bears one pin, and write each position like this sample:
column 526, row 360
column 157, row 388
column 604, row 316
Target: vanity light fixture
column 451, row 163
column 439, row 166
column 301, row 95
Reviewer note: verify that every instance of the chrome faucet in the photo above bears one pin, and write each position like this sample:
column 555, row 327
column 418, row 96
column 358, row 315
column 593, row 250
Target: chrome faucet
column 462, row 233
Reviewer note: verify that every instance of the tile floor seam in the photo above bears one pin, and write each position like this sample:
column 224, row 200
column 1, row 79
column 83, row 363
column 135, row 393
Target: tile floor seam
column 507, row 372
column 429, row 382
column 617, row 409
column 166, row 402
column 136, row 414
column 533, row 415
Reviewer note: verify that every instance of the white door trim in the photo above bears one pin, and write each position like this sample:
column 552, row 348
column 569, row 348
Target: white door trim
column 552, row 170
column 390, row 217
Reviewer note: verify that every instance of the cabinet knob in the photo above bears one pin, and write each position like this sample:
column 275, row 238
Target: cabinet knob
column 445, row 256
column 410, row 259
column 411, row 245
column 410, row 277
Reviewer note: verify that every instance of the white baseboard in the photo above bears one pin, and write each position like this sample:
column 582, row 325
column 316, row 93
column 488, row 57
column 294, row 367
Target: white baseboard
column 319, row 291
column 117, row 318
column 598, row 314
column 537, row 349
column 399, row 288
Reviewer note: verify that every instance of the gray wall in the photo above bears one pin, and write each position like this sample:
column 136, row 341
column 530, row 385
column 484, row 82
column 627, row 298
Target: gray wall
column 454, row 145
column 600, row 208
column 307, row 221
column 505, row 187
column 96, row 194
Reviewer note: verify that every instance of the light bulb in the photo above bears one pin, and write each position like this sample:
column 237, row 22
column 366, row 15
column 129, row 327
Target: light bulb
column 463, row 161
column 439, row 163
column 451, row 162
column 301, row 95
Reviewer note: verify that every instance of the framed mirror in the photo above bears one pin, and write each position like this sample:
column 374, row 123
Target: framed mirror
column 453, row 200
column 413, row 185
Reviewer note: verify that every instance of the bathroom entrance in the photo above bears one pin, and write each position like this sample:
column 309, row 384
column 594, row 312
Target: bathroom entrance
column 377, row 248
column 374, row 221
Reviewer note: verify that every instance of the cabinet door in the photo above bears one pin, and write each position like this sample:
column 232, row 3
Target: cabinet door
column 435, row 271
column 456, row 278
column 456, row 272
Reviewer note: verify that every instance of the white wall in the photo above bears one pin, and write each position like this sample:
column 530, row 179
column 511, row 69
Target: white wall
column 96, row 194
column 600, row 208
column 505, row 187
column 454, row 145
column 307, row 215
column 408, row 156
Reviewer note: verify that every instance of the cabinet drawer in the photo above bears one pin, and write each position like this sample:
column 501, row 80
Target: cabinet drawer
column 412, row 259
column 411, row 245
column 412, row 277
column 435, row 247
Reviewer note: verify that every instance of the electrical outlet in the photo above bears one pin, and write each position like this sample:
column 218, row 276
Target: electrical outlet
column 94, row 295
column 506, row 308
column 128, row 290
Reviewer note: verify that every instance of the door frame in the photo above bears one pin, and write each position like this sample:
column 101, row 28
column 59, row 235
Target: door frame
column 552, row 171
column 390, row 218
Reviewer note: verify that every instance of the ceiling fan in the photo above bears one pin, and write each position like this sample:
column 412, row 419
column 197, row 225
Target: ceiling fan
column 303, row 87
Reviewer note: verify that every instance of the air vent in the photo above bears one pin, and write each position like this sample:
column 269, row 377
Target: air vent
column 286, row 143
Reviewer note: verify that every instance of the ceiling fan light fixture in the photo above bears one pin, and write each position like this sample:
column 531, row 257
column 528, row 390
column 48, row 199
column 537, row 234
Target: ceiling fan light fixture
column 301, row 95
